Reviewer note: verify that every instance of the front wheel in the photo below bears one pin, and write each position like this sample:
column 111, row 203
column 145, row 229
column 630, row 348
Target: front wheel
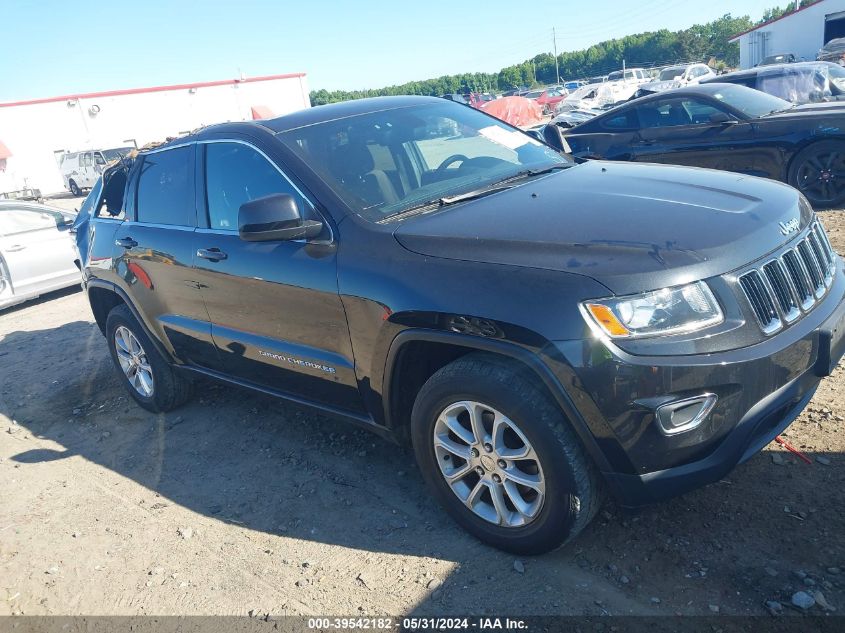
column 501, row 458
column 148, row 377
column 818, row 171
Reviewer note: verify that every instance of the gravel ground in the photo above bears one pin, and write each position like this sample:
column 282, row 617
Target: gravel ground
column 241, row 504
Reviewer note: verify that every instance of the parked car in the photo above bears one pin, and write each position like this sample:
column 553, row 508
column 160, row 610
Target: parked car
column 676, row 77
column 629, row 75
column 478, row 99
column 547, row 98
column 36, row 251
column 833, row 51
column 801, row 82
column 537, row 331
column 595, row 96
column 729, row 127
column 457, row 98
column 80, row 170
column 570, row 86
column 783, row 58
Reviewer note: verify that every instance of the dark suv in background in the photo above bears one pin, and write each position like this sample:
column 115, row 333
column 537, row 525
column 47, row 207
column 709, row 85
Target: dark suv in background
column 539, row 332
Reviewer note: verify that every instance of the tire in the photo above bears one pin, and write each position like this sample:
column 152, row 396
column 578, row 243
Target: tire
column 818, row 171
column 74, row 188
column 168, row 388
column 572, row 488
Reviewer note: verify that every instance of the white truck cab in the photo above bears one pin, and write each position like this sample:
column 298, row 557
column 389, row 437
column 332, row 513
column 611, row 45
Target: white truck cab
column 80, row 170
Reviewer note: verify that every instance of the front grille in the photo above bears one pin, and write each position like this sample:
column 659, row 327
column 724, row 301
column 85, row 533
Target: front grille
column 785, row 287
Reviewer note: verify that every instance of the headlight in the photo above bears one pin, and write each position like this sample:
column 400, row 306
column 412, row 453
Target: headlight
column 666, row 311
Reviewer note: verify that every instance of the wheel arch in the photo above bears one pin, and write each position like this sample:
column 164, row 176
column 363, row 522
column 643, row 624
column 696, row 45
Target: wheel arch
column 405, row 374
column 104, row 296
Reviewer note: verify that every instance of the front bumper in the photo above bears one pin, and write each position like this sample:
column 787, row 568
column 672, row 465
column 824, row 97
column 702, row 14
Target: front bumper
column 761, row 389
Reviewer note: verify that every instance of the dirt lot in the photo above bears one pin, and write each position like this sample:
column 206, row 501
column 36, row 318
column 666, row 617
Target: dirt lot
column 238, row 503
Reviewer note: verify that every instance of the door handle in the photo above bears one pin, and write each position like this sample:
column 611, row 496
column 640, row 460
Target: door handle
column 14, row 248
column 211, row 254
column 126, row 242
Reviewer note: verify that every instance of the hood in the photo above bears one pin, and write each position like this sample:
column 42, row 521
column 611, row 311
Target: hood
column 630, row 227
column 825, row 108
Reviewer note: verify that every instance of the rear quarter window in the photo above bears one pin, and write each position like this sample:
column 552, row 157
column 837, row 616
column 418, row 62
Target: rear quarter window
column 166, row 188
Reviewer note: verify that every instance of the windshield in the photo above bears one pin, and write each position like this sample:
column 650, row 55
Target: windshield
column 752, row 103
column 384, row 163
column 668, row 74
column 615, row 75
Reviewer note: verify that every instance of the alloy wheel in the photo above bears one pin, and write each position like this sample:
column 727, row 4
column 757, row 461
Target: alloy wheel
column 822, row 177
column 489, row 464
column 133, row 361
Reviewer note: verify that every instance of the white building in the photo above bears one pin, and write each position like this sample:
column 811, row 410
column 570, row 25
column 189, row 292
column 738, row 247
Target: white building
column 801, row 33
column 34, row 132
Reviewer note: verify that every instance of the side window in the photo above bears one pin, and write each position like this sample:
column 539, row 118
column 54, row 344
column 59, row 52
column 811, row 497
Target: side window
column 86, row 160
column 99, row 159
column 622, row 121
column 700, row 111
column 14, row 221
column 166, row 188
column 235, row 174
column 663, row 113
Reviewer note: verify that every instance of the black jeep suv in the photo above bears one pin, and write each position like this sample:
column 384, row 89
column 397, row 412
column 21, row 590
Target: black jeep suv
column 540, row 332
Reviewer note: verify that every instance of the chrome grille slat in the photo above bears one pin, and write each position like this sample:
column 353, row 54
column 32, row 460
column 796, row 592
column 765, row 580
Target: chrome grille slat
column 800, row 279
column 812, row 266
column 784, row 288
column 761, row 301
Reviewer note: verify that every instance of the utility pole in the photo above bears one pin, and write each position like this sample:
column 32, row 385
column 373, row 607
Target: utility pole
column 557, row 68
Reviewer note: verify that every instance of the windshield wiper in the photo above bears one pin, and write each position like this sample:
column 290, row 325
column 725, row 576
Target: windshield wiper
column 493, row 187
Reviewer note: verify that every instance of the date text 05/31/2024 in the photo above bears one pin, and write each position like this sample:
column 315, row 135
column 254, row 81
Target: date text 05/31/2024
column 419, row 624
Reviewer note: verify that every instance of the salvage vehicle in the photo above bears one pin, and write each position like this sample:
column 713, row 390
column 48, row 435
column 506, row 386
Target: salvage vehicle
column 802, row 82
column 782, row 58
column 676, row 77
column 833, row 51
column 729, row 127
column 539, row 332
column 36, row 251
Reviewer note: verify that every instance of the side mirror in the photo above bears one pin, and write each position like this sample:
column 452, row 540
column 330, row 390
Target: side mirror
column 553, row 135
column 275, row 217
column 722, row 118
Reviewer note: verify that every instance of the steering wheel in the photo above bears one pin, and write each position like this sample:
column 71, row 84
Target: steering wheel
column 452, row 159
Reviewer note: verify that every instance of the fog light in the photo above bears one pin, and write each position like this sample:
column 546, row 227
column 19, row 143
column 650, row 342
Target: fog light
column 684, row 415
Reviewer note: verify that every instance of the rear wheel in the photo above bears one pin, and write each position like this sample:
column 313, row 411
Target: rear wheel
column 74, row 188
column 501, row 458
column 818, row 171
column 148, row 377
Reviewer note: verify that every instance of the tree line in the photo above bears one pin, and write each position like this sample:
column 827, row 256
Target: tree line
column 701, row 42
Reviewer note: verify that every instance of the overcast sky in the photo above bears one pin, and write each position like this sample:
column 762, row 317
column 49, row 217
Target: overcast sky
column 53, row 48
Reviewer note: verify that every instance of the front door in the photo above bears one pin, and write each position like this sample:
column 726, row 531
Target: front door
column 694, row 132
column 276, row 315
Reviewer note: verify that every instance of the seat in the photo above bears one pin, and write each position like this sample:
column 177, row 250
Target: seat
column 352, row 164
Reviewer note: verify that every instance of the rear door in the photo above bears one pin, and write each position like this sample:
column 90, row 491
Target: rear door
column 276, row 314
column 37, row 250
column 686, row 131
column 155, row 253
